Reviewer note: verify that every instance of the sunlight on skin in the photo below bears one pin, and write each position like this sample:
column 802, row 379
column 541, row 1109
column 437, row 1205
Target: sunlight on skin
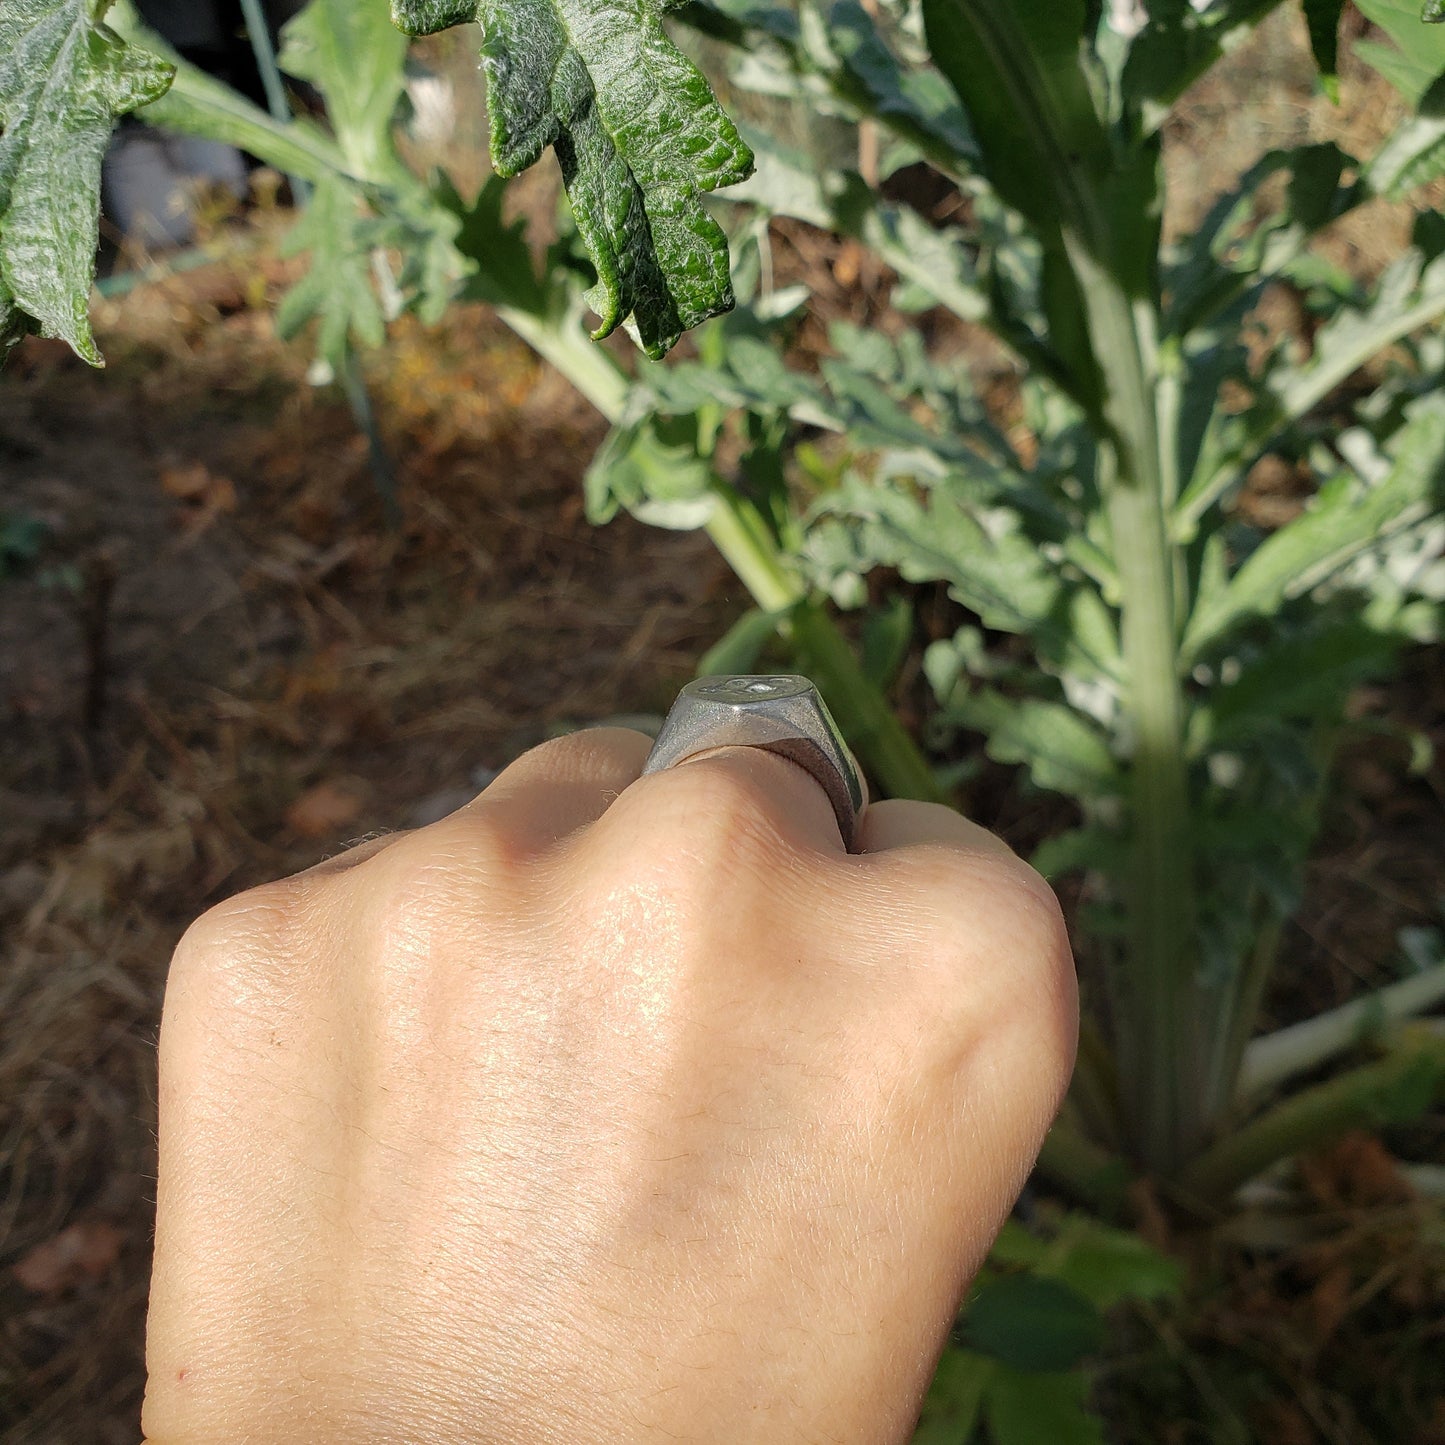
column 640, row 1110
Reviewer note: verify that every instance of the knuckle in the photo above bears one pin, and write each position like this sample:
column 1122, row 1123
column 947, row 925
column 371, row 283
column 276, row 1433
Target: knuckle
column 712, row 820
column 995, row 932
column 436, row 873
column 257, row 915
column 229, row 947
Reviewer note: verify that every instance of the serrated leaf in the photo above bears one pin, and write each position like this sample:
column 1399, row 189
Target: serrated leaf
column 1061, row 750
column 936, row 261
column 1410, row 295
column 846, row 48
column 1304, row 675
column 1031, row 1323
column 1029, row 1409
column 639, row 137
column 1235, row 250
column 505, row 273
column 1344, row 520
column 997, row 573
column 1412, row 156
column 337, row 290
column 64, row 78
column 352, row 53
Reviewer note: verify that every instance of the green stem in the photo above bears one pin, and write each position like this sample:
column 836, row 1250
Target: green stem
column 1401, row 1085
column 748, row 548
column 1271, row 1060
column 863, row 712
column 196, row 104
column 258, row 32
column 1245, row 997
column 1157, row 1033
column 585, row 364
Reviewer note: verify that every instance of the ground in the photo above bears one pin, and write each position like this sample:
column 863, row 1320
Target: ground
column 231, row 658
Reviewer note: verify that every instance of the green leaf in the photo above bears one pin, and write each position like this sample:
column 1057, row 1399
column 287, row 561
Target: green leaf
column 1323, row 19
column 505, row 273
column 1420, row 57
column 337, row 289
column 1016, row 69
column 1409, row 296
column 1030, row 1323
column 639, row 137
column 1061, row 750
column 954, row 1400
column 1235, row 251
column 352, row 54
column 1414, row 154
column 1107, row 1266
column 1031, row 1409
column 1345, row 519
column 1076, row 849
column 847, row 50
column 1103, row 1264
column 1304, row 675
column 426, row 17
column 64, row 77
column 650, row 465
column 887, row 632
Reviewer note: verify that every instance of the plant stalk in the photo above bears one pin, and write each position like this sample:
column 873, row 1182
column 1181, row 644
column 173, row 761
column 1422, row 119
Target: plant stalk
column 863, row 712
column 1277, row 1057
column 1158, row 1039
column 1404, row 1082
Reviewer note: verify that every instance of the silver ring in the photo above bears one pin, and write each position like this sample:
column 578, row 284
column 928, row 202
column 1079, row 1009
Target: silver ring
column 781, row 714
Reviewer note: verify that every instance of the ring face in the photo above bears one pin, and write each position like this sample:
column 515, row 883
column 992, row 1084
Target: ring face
column 779, row 712
column 750, row 689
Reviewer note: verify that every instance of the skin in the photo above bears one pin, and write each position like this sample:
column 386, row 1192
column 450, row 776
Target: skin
column 608, row 1108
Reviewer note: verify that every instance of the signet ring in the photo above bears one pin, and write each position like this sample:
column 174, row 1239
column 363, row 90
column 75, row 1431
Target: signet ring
column 779, row 712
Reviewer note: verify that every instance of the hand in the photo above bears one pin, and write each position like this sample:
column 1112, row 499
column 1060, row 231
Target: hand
column 605, row 1110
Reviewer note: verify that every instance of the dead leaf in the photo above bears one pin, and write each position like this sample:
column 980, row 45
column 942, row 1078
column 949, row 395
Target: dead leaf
column 203, row 495
column 1356, row 1170
column 197, row 483
column 79, row 1254
column 848, row 263
column 325, row 809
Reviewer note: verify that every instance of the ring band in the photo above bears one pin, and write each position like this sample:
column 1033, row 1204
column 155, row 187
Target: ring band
column 780, row 713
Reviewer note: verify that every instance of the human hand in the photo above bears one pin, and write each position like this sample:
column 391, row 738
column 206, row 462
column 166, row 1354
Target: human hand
column 606, row 1109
